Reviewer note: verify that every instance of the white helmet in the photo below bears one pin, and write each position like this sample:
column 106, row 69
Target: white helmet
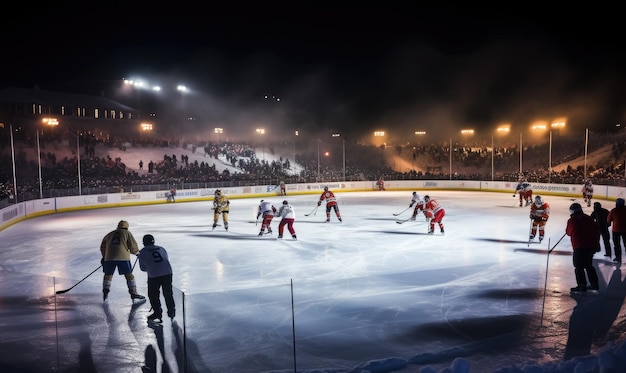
column 538, row 201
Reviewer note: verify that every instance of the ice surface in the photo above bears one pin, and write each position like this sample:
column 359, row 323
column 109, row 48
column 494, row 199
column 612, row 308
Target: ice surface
column 369, row 294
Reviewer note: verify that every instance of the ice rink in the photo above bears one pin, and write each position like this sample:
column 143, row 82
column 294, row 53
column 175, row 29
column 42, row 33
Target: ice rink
column 366, row 292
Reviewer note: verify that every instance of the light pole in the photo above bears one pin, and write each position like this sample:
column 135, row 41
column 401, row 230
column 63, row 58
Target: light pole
column 344, row 154
column 520, row 153
column 586, row 145
column 78, row 159
column 218, row 131
column 261, row 132
column 501, row 130
column 414, row 155
column 555, row 125
column 450, row 172
column 344, row 160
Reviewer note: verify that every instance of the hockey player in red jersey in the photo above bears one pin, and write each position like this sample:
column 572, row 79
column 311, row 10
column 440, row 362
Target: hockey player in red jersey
column 331, row 203
column 435, row 212
column 539, row 213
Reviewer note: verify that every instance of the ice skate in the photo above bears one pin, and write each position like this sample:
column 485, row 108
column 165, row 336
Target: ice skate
column 155, row 318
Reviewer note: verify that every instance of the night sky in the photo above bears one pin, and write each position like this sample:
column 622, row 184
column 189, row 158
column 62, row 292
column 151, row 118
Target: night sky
column 349, row 69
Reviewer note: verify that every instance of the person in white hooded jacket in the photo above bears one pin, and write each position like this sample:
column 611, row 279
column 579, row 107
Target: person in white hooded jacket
column 288, row 216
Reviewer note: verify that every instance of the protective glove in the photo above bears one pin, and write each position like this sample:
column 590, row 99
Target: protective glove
column 319, row 203
column 532, row 216
column 411, row 205
column 257, row 216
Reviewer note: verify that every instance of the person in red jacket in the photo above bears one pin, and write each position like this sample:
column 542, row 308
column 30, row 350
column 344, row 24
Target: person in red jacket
column 539, row 213
column 585, row 237
column 617, row 221
column 331, row 203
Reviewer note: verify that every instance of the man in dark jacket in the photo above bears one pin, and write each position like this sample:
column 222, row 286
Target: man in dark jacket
column 585, row 237
column 600, row 215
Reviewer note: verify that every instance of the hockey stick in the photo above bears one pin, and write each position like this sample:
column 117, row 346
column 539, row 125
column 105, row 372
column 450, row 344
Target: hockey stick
column 545, row 283
column 411, row 218
column 66, row 290
column 403, row 211
column 314, row 211
column 133, row 268
column 530, row 230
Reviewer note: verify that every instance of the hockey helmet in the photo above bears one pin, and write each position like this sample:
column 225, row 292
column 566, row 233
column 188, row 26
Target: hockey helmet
column 148, row 239
column 426, row 198
column 218, row 192
column 414, row 193
column 619, row 202
column 538, row 201
column 325, row 189
column 285, row 202
column 123, row 224
column 574, row 208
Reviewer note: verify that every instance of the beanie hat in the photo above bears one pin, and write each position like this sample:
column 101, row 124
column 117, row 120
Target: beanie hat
column 574, row 208
column 123, row 224
column 619, row 202
column 148, row 239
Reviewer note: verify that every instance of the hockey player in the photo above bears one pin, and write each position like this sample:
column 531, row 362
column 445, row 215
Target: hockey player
column 419, row 206
column 221, row 205
column 266, row 211
column 434, row 212
column 587, row 191
column 331, row 203
column 288, row 216
column 171, row 195
column 525, row 191
column 539, row 213
column 116, row 248
column 381, row 184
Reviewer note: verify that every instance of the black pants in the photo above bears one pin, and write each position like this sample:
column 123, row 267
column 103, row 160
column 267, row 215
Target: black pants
column 155, row 284
column 606, row 239
column 618, row 238
column 583, row 267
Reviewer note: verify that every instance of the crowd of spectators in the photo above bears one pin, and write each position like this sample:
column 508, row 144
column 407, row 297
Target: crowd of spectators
column 470, row 161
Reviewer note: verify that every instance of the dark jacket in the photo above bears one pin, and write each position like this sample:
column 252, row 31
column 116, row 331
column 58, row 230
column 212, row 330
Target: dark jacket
column 600, row 216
